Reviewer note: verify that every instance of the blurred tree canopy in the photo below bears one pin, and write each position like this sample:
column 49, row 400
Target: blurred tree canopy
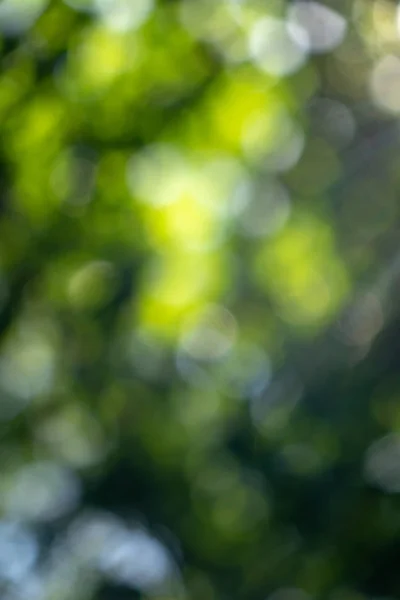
column 199, row 270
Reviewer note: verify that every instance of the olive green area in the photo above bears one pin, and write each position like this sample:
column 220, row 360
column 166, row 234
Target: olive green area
column 199, row 276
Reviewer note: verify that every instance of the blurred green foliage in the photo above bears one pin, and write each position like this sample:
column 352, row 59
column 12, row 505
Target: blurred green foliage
column 198, row 249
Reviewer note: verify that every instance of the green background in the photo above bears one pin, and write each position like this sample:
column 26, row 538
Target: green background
column 199, row 268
